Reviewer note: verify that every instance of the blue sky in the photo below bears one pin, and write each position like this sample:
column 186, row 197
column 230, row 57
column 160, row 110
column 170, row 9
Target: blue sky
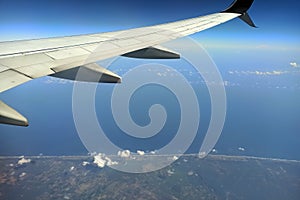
column 278, row 31
column 259, row 61
column 54, row 18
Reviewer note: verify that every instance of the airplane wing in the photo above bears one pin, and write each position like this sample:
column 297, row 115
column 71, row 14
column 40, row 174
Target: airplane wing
column 22, row 61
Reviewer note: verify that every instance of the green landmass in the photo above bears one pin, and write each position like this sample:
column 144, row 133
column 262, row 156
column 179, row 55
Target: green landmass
column 189, row 177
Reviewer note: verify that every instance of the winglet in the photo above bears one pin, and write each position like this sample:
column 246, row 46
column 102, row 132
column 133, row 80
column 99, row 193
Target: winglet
column 241, row 7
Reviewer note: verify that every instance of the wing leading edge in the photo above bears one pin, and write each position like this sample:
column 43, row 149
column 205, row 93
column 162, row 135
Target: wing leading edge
column 22, row 61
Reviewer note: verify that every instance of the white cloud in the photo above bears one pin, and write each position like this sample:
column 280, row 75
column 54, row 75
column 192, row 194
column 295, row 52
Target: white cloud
column 259, row 73
column 109, row 162
column 22, row 175
column 202, row 154
column 101, row 161
column 84, row 163
column 23, row 161
column 67, row 197
column 124, row 154
column 294, row 64
column 267, row 73
column 190, row 173
column 241, row 149
column 175, row 158
column 141, row 153
column 152, row 152
column 170, row 172
column 214, row 83
column 277, row 73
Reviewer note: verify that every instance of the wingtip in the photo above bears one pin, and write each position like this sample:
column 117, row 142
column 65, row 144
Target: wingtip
column 241, row 7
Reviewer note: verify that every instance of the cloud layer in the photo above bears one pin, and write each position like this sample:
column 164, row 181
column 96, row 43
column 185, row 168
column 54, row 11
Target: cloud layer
column 294, row 64
column 259, row 73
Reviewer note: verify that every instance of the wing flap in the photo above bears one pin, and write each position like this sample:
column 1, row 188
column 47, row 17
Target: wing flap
column 20, row 61
column 67, row 53
column 36, row 71
column 11, row 78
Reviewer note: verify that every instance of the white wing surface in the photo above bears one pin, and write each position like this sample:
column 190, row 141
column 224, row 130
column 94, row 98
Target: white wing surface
column 22, row 61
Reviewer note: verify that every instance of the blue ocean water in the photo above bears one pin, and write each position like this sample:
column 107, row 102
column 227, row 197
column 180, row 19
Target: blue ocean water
column 262, row 119
column 264, row 122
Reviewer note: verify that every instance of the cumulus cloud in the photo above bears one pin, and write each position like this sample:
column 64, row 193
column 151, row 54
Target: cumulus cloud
column 190, row 173
column 101, row 161
column 84, row 163
column 152, row 152
column 241, row 149
column 175, row 158
column 109, row 162
column 22, row 175
column 23, row 160
column 170, row 172
column 202, row 154
column 294, row 64
column 124, row 154
column 141, row 153
column 259, row 73
column 214, row 151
